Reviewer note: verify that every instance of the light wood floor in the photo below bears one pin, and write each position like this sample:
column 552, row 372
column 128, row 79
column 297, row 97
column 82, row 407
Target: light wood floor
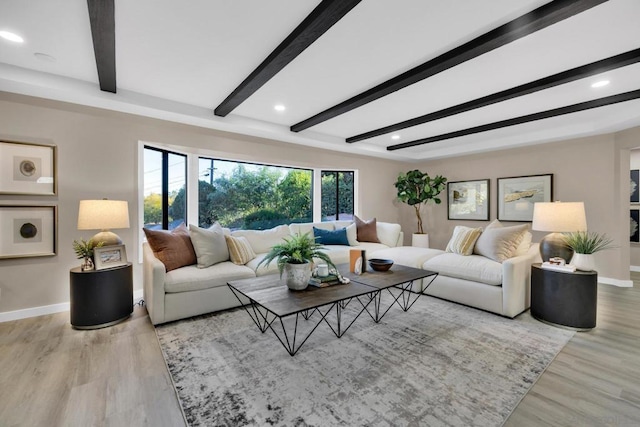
column 52, row 375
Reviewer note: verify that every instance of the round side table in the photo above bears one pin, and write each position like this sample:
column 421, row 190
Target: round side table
column 101, row 298
column 567, row 300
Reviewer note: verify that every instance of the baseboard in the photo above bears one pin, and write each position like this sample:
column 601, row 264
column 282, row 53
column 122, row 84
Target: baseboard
column 616, row 282
column 8, row 316
column 634, row 268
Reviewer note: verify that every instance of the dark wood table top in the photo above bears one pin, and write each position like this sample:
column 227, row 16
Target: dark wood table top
column 269, row 292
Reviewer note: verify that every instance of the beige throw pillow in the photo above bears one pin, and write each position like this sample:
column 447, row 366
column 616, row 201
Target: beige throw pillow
column 500, row 243
column 463, row 240
column 240, row 251
column 209, row 244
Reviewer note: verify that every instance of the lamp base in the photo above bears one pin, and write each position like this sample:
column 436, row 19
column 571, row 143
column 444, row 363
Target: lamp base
column 554, row 245
column 108, row 237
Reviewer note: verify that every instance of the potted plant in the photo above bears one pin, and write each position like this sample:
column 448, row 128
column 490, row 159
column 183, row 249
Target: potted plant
column 416, row 188
column 84, row 251
column 294, row 257
column 584, row 245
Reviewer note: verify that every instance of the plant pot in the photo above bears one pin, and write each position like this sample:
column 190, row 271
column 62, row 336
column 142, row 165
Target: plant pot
column 583, row 262
column 296, row 276
column 420, row 240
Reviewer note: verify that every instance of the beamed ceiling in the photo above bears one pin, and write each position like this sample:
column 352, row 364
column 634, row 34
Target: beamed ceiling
column 406, row 79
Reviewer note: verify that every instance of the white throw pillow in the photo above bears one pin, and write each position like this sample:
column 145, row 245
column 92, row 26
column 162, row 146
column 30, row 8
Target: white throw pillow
column 463, row 240
column 388, row 233
column 352, row 234
column 209, row 245
column 500, row 243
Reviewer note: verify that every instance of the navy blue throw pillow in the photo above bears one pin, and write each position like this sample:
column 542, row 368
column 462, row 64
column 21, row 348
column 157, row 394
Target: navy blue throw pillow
column 331, row 237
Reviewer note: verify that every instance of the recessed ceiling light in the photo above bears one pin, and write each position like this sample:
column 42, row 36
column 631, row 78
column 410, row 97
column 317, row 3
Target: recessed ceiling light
column 12, row 37
column 44, row 57
column 394, row 137
column 600, row 83
column 280, row 107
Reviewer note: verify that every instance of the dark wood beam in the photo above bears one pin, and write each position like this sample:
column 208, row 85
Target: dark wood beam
column 549, row 14
column 323, row 17
column 582, row 106
column 577, row 73
column 103, row 32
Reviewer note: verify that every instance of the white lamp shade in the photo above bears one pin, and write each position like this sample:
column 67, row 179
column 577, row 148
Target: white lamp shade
column 103, row 214
column 559, row 217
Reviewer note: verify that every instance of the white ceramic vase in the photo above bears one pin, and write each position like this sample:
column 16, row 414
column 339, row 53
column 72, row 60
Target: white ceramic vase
column 420, row 240
column 583, row 262
column 296, row 276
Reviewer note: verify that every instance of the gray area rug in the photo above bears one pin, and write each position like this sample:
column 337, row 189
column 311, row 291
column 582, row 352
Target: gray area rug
column 437, row 364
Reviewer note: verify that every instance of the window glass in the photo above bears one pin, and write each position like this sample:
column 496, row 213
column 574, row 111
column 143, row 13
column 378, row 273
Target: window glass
column 337, row 195
column 165, row 178
column 252, row 196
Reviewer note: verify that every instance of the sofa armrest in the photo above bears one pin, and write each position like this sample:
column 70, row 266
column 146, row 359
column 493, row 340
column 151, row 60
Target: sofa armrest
column 516, row 282
column 153, row 277
column 400, row 241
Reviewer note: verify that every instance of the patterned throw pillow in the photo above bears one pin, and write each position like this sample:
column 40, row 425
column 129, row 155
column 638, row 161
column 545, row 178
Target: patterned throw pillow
column 366, row 230
column 173, row 248
column 463, row 240
column 240, row 251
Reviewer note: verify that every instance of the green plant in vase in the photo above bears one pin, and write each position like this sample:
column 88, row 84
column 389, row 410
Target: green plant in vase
column 294, row 257
column 84, row 250
column 584, row 244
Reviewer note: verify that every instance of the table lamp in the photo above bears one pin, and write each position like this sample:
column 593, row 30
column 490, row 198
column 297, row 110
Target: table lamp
column 558, row 218
column 104, row 215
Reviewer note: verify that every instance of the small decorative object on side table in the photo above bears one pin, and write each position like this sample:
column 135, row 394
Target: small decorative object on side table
column 100, row 298
column 564, row 299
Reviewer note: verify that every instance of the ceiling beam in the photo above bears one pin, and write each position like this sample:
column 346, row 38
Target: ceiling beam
column 103, row 33
column 323, row 17
column 527, row 24
column 582, row 106
column 568, row 76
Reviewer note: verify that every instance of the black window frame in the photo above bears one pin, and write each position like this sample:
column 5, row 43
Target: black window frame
column 165, row 183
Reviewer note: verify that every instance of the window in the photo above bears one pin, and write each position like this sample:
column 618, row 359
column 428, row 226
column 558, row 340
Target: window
column 337, row 195
column 252, row 196
column 165, row 185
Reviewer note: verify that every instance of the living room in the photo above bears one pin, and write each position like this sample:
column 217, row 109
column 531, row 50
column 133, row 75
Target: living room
column 98, row 156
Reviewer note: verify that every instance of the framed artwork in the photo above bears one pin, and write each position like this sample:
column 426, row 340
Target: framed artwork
column 27, row 231
column 109, row 257
column 27, row 168
column 634, row 234
column 635, row 184
column 468, row 200
column 517, row 195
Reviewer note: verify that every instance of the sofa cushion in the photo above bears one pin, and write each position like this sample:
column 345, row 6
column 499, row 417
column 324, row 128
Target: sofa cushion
column 240, row 250
column 371, row 248
column 191, row 278
column 272, row 268
column 388, row 233
column 331, row 237
column 366, row 230
column 209, row 244
column 172, row 247
column 472, row 267
column 263, row 240
column 500, row 243
column 307, row 227
column 463, row 240
column 524, row 245
column 410, row 256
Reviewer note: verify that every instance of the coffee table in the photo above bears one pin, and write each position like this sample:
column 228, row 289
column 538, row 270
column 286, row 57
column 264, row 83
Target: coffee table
column 267, row 301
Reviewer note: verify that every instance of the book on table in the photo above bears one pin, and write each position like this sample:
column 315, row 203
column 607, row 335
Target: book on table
column 325, row 281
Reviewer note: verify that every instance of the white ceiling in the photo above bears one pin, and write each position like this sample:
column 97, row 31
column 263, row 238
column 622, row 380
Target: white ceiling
column 178, row 60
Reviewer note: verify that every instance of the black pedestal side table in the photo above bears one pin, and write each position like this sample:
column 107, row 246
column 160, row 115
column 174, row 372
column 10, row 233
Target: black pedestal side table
column 564, row 299
column 101, row 298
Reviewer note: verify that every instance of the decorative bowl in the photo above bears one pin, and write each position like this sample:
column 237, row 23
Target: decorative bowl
column 379, row 264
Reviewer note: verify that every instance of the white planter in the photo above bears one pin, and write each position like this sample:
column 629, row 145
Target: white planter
column 420, row 240
column 296, row 276
column 583, row 262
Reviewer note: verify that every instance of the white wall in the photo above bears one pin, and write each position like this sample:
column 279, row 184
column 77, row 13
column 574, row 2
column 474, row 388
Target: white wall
column 97, row 157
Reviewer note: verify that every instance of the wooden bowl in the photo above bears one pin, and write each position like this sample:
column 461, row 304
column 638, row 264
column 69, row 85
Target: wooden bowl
column 379, row 264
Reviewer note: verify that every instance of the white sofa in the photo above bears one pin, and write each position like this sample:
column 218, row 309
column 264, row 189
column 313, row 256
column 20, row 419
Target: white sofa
column 190, row 291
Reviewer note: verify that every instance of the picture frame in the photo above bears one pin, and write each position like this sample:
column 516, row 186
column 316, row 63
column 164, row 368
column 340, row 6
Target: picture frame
column 28, row 231
column 517, row 195
column 28, row 168
column 634, row 225
column 109, row 257
column 634, row 196
column 468, row 200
